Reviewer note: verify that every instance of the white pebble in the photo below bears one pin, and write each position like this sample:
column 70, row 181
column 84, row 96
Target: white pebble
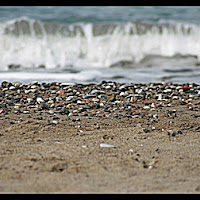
column 39, row 100
column 101, row 104
column 26, row 111
column 70, row 98
column 108, row 87
column 55, row 122
column 146, row 107
column 11, row 88
column 107, row 145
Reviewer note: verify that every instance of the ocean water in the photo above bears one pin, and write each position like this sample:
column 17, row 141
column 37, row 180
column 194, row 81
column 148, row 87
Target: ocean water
column 88, row 44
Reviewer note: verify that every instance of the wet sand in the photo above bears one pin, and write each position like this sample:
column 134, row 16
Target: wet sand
column 156, row 150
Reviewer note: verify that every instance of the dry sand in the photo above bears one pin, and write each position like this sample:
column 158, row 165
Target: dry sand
column 157, row 150
column 40, row 157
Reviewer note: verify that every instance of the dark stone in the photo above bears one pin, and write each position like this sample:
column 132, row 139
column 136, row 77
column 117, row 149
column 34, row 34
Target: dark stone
column 146, row 131
column 5, row 84
column 55, row 117
column 41, row 66
column 13, row 66
column 180, row 132
column 173, row 134
column 64, row 111
column 43, row 106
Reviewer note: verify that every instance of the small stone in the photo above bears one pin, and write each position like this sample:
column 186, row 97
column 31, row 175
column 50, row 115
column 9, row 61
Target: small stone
column 111, row 98
column 70, row 114
column 173, row 134
column 162, row 115
column 97, row 92
column 26, row 111
column 88, row 96
column 29, row 100
column 155, row 116
column 85, row 146
column 167, row 132
column 64, row 111
column 61, row 92
column 43, row 106
column 39, row 100
column 146, row 130
column 180, row 132
column 198, row 188
column 185, row 88
column 190, row 108
column 146, row 107
column 55, row 122
column 5, row 84
column 108, row 87
column 17, row 84
column 153, row 105
column 69, row 98
column 12, row 87
column 51, row 112
column 55, row 117
column 107, row 145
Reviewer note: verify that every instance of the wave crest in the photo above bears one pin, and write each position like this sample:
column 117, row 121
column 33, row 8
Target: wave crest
column 31, row 43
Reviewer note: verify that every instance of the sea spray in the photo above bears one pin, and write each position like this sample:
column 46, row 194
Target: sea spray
column 29, row 43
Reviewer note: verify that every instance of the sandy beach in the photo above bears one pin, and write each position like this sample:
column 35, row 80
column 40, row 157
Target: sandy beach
column 52, row 138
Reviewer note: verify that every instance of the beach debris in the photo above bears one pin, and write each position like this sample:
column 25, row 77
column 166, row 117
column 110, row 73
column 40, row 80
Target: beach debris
column 84, row 146
column 107, row 145
column 151, row 164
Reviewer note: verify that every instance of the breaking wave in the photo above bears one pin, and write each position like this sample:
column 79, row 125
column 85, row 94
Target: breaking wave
column 29, row 43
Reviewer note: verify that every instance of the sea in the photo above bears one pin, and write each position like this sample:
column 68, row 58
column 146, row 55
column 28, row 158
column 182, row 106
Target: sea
column 91, row 44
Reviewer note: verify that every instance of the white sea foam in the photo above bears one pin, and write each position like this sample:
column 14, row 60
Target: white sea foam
column 31, row 43
column 82, row 76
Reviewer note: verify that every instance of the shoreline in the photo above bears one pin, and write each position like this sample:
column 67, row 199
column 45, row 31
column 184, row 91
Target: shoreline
column 51, row 136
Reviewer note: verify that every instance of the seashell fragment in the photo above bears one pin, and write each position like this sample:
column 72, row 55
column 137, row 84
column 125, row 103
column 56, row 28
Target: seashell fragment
column 107, row 145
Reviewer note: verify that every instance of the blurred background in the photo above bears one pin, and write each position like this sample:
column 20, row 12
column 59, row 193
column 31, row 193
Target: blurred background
column 84, row 44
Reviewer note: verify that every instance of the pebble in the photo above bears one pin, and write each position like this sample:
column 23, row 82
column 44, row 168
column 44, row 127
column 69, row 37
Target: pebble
column 180, row 132
column 107, row 145
column 162, row 115
column 61, row 92
column 85, row 146
column 39, row 100
column 104, row 100
column 67, row 84
column 88, row 96
column 69, row 98
column 55, row 122
column 12, row 87
column 51, row 112
column 197, row 188
column 97, row 92
column 146, row 107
